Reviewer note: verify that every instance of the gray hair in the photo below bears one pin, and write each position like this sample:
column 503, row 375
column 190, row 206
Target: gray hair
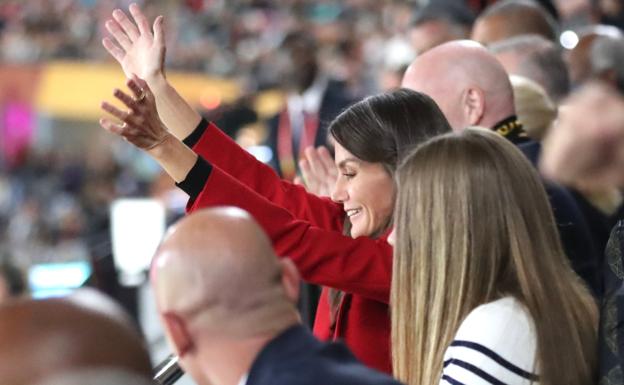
column 607, row 54
column 540, row 60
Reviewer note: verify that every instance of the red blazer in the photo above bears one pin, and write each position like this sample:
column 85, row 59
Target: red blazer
column 307, row 229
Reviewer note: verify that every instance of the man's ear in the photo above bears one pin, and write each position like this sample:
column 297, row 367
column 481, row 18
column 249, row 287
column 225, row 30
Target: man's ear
column 178, row 333
column 474, row 105
column 291, row 280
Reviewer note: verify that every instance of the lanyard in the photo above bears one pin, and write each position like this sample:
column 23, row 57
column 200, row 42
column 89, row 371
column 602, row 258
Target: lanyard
column 285, row 145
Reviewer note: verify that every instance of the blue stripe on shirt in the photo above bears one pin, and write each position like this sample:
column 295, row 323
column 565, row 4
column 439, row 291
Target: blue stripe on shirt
column 451, row 380
column 494, row 356
column 475, row 370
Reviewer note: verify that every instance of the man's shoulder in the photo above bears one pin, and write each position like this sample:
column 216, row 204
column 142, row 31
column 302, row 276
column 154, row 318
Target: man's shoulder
column 299, row 359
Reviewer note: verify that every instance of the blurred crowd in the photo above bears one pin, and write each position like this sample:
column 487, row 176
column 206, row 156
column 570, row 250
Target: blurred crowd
column 54, row 207
column 55, row 202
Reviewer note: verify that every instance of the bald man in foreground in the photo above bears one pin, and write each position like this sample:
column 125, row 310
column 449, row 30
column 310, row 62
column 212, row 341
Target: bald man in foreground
column 228, row 306
column 58, row 339
column 472, row 89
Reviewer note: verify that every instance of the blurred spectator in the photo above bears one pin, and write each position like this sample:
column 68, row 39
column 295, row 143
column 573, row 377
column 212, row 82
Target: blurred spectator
column 536, row 58
column 612, row 12
column 50, row 337
column 439, row 22
column 105, row 376
column 533, row 106
column 508, row 18
column 312, row 101
column 607, row 60
column 579, row 58
column 11, row 281
column 594, row 155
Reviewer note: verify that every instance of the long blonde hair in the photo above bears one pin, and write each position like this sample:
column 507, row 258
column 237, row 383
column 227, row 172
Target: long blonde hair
column 473, row 224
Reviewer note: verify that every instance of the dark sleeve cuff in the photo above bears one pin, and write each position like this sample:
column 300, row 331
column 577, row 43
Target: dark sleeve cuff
column 197, row 133
column 196, row 179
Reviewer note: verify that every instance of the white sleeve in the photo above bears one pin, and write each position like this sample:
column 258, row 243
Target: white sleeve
column 495, row 344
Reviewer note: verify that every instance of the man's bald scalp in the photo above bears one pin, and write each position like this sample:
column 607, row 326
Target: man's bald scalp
column 218, row 262
column 446, row 71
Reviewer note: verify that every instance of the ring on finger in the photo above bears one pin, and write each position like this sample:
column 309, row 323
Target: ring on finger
column 141, row 97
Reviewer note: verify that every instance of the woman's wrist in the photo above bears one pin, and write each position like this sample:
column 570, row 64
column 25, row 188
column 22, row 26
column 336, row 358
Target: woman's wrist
column 156, row 81
column 174, row 156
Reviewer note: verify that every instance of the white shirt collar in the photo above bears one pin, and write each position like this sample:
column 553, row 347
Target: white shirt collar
column 310, row 100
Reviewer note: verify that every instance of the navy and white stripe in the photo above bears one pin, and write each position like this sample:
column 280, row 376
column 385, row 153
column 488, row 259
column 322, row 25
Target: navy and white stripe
column 495, row 344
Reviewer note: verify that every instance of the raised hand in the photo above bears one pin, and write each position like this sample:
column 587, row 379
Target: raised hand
column 139, row 51
column 141, row 125
column 585, row 147
column 318, row 170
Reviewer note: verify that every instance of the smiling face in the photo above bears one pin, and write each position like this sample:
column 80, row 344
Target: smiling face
column 366, row 191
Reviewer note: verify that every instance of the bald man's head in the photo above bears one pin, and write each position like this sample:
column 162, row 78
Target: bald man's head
column 508, row 18
column 217, row 272
column 40, row 338
column 466, row 81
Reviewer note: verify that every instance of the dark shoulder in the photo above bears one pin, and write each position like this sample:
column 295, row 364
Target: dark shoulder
column 310, row 362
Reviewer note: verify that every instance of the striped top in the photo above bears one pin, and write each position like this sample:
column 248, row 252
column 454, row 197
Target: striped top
column 495, row 344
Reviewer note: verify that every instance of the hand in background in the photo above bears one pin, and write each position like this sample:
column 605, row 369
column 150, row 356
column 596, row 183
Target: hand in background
column 585, row 147
column 318, row 171
column 134, row 46
column 141, row 125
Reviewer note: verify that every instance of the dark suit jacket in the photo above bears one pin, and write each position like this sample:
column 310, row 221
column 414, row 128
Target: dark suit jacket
column 573, row 229
column 611, row 331
column 335, row 100
column 296, row 357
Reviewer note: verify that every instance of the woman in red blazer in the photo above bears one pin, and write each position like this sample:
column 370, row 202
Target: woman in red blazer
column 371, row 137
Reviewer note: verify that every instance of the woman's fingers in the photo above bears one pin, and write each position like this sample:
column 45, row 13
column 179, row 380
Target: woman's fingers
column 137, row 90
column 128, row 26
column 112, row 48
column 159, row 32
column 110, row 126
column 120, row 36
column 140, row 19
column 116, row 112
column 327, row 160
column 317, row 166
column 125, row 98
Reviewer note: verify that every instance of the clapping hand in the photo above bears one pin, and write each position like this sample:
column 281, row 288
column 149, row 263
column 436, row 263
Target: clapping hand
column 318, row 170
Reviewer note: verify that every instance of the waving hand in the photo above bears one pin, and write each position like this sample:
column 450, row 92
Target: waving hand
column 133, row 45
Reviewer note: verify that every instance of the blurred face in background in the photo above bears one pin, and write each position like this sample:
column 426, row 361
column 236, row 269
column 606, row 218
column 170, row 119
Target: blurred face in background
column 297, row 63
column 366, row 191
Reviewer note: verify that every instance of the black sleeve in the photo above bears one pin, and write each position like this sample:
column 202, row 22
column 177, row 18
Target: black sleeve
column 196, row 178
column 194, row 137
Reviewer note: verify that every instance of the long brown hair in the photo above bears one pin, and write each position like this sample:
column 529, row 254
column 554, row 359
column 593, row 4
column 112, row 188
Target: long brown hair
column 473, row 224
column 383, row 129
